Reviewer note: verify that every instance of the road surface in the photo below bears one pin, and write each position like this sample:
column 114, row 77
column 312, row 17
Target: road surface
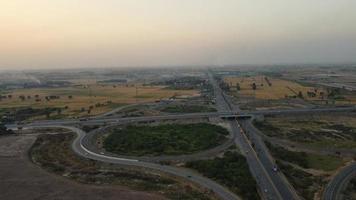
column 224, row 113
column 272, row 185
column 339, row 182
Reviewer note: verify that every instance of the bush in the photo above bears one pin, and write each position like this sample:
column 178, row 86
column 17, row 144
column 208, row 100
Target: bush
column 168, row 139
column 232, row 170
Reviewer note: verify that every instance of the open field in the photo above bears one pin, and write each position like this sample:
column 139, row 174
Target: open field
column 307, row 160
column 307, row 185
column 272, row 89
column 53, row 153
column 21, row 179
column 326, row 131
column 78, row 100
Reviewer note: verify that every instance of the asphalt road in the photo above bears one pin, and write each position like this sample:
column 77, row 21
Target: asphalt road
column 223, row 112
column 280, row 182
column 271, row 184
column 339, row 182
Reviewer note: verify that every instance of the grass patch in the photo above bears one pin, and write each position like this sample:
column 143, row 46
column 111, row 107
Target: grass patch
column 320, row 131
column 232, row 171
column 306, row 160
column 326, row 163
column 306, row 184
column 166, row 139
column 53, row 153
column 188, row 109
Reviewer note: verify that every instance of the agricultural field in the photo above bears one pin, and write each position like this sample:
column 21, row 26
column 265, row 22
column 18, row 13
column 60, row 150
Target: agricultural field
column 86, row 100
column 268, row 88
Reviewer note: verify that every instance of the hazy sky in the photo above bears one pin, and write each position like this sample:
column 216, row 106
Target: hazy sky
column 94, row 33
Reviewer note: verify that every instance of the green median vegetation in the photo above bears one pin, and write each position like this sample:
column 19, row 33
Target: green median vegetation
column 188, row 109
column 166, row 139
column 232, row 171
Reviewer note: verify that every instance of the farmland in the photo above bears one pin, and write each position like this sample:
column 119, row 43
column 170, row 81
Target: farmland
column 272, row 88
column 77, row 100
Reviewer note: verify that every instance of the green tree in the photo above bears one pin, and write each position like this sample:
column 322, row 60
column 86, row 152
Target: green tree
column 238, row 88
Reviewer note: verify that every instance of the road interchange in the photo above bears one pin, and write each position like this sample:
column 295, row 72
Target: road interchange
column 272, row 185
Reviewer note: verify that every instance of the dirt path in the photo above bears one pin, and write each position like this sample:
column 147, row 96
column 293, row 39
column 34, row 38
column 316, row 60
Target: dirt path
column 21, row 179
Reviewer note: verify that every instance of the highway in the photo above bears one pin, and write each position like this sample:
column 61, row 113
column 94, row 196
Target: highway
column 339, row 182
column 224, row 111
column 271, row 184
column 278, row 179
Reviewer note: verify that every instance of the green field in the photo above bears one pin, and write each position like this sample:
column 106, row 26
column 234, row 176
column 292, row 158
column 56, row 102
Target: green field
column 305, row 183
column 166, row 139
column 232, row 171
column 306, row 160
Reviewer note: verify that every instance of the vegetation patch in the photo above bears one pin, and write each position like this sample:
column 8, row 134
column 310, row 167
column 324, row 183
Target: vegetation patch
column 321, row 131
column 166, row 139
column 188, row 109
column 53, row 153
column 305, row 183
column 232, row 171
column 306, row 160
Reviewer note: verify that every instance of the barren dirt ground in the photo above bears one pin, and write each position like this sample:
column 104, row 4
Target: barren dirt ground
column 20, row 179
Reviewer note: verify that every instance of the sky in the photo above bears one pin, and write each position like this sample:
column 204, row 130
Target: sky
column 109, row 33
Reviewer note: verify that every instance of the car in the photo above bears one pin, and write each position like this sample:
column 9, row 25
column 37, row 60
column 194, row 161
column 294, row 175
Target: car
column 275, row 169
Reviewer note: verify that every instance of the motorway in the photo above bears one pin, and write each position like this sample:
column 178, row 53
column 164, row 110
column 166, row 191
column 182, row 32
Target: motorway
column 271, row 185
column 224, row 111
column 278, row 179
column 339, row 182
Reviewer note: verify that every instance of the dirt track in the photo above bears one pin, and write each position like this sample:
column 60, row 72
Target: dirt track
column 21, row 179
